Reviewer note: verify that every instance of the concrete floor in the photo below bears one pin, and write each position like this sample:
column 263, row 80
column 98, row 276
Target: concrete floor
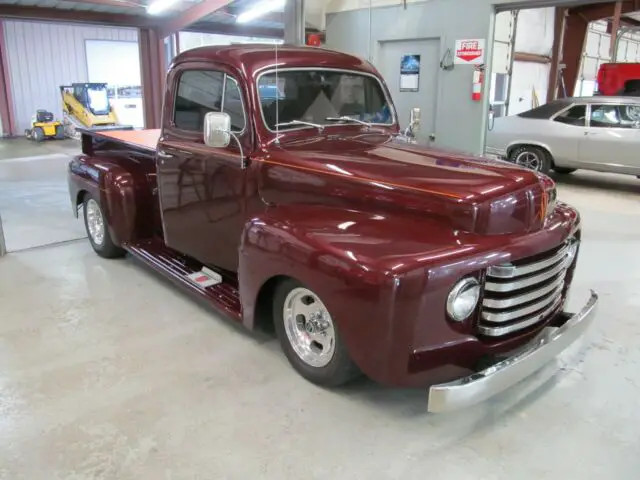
column 108, row 372
column 34, row 198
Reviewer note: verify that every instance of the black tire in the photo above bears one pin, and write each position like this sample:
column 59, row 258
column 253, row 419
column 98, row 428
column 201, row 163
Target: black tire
column 339, row 370
column 60, row 132
column 27, row 133
column 37, row 134
column 563, row 171
column 102, row 245
column 543, row 161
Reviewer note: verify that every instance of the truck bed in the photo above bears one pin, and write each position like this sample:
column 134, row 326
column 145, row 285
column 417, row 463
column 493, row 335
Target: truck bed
column 146, row 140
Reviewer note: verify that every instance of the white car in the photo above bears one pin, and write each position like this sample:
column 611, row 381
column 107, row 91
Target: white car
column 592, row 133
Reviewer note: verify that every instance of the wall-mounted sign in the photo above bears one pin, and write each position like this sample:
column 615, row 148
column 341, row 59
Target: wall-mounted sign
column 470, row 52
column 409, row 73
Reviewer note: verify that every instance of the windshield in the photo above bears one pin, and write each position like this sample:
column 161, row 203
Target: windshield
column 98, row 100
column 321, row 97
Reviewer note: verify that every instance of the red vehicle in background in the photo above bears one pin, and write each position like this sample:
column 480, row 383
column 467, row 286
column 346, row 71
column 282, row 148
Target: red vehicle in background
column 615, row 79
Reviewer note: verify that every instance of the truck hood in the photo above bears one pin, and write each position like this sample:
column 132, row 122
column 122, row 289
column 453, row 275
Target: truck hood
column 381, row 172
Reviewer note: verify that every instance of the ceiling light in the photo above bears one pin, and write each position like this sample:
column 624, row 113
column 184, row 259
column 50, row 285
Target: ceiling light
column 159, row 6
column 260, row 9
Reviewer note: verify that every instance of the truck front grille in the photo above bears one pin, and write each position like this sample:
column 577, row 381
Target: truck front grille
column 521, row 294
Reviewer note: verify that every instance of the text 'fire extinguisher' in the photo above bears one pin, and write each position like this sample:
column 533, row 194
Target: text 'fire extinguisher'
column 478, row 80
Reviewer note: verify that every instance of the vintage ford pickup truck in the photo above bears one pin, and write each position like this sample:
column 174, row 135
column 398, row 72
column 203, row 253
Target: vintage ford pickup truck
column 283, row 193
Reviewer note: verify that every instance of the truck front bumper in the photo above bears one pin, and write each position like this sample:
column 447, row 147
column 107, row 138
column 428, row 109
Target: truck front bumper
column 482, row 385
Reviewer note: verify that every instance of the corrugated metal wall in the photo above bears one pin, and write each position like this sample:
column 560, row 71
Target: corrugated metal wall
column 43, row 56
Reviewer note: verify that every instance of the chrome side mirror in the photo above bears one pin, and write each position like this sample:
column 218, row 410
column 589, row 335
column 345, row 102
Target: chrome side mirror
column 414, row 123
column 217, row 129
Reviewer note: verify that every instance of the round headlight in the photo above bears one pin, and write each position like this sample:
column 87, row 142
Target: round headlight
column 463, row 298
column 572, row 250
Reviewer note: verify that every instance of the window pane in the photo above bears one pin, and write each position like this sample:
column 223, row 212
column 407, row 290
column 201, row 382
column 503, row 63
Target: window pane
column 605, row 116
column 233, row 105
column 574, row 116
column 199, row 92
column 315, row 95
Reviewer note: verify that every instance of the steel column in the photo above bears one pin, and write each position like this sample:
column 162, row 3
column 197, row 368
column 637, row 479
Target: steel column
column 294, row 23
column 615, row 27
column 556, row 53
column 574, row 39
column 6, row 103
column 3, row 246
column 153, row 70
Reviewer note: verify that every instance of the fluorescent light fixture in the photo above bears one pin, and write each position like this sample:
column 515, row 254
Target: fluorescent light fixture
column 159, row 6
column 260, row 9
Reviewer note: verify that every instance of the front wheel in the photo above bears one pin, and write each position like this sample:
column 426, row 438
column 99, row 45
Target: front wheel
column 533, row 158
column 97, row 231
column 37, row 134
column 309, row 337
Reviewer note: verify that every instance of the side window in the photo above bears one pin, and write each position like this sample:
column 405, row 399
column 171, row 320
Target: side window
column 630, row 116
column 233, row 105
column 576, row 116
column 199, row 92
column 604, row 116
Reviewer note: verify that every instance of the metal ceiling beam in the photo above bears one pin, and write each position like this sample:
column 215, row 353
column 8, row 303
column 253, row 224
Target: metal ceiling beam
column 235, row 29
column 192, row 15
column 74, row 16
column 113, row 3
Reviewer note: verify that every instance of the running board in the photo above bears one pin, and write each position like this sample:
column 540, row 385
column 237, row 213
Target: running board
column 191, row 276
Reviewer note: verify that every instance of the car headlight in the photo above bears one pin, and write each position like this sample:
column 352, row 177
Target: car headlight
column 463, row 298
column 572, row 251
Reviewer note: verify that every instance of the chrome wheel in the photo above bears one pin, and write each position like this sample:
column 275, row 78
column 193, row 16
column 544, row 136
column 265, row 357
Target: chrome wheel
column 309, row 327
column 95, row 222
column 529, row 160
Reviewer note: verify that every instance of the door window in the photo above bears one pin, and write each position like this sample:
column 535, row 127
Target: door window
column 615, row 116
column 200, row 92
column 576, row 116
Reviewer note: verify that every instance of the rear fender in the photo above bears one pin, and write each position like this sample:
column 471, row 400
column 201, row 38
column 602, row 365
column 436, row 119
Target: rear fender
column 111, row 181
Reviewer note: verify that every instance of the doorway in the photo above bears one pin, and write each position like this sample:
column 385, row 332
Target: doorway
column 425, row 93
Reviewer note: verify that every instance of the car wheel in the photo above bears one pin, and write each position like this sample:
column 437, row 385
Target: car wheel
column 37, row 134
column 97, row 231
column 563, row 171
column 309, row 337
column 533, row 158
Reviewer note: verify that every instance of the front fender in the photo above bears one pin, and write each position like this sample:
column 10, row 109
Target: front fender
column 364, row 267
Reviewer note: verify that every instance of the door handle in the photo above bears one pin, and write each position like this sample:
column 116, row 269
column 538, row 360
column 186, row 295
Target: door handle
column 163, row 156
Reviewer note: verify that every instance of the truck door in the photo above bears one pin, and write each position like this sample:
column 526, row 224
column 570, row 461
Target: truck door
column 202, row 189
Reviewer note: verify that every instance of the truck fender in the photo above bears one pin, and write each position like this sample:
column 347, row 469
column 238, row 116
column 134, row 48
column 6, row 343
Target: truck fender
column 114, row 186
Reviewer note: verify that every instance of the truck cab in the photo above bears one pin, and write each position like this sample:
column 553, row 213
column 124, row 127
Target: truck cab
column 280, row 190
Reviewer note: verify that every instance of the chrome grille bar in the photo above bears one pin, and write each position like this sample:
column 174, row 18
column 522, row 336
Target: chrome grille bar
column 524, row 298
column 525, row 282
column 508, row 315
column 510, row 271
column 519, row 296
column 498, row 331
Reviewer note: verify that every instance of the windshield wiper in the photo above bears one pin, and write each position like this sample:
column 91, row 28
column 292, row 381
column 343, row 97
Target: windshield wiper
column 344, row 118
column 300, row 122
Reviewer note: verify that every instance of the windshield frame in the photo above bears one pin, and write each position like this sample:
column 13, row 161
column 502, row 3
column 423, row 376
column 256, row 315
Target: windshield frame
column 272, row 69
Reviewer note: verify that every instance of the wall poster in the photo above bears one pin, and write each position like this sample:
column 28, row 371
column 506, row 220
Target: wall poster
column 409, row 73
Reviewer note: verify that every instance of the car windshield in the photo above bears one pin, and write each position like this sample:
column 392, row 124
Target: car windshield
column 321, row 97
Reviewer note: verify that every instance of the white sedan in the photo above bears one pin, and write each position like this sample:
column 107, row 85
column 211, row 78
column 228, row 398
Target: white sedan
column 592, row 133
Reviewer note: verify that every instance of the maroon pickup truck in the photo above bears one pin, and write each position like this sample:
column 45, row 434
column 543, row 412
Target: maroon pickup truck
column 286, row 196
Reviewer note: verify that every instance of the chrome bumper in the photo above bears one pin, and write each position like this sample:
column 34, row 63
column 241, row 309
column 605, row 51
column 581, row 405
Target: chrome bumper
column 480, row 386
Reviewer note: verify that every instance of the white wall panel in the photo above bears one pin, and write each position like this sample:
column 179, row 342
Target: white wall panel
column 527, row 78
column 43, row 56
column 535, row 31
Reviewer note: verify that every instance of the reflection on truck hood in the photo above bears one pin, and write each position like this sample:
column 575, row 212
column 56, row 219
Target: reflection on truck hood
column 487, row 196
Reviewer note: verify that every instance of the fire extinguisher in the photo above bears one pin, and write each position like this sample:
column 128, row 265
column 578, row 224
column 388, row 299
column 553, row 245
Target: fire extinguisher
column 478, row 80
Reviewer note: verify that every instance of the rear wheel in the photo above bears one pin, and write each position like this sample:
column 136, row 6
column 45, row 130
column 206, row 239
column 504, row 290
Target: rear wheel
column 59, row 132
column 533, row 158
column 563, row 171
column 97, row 230
column 309, row 337
column 37, row 134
